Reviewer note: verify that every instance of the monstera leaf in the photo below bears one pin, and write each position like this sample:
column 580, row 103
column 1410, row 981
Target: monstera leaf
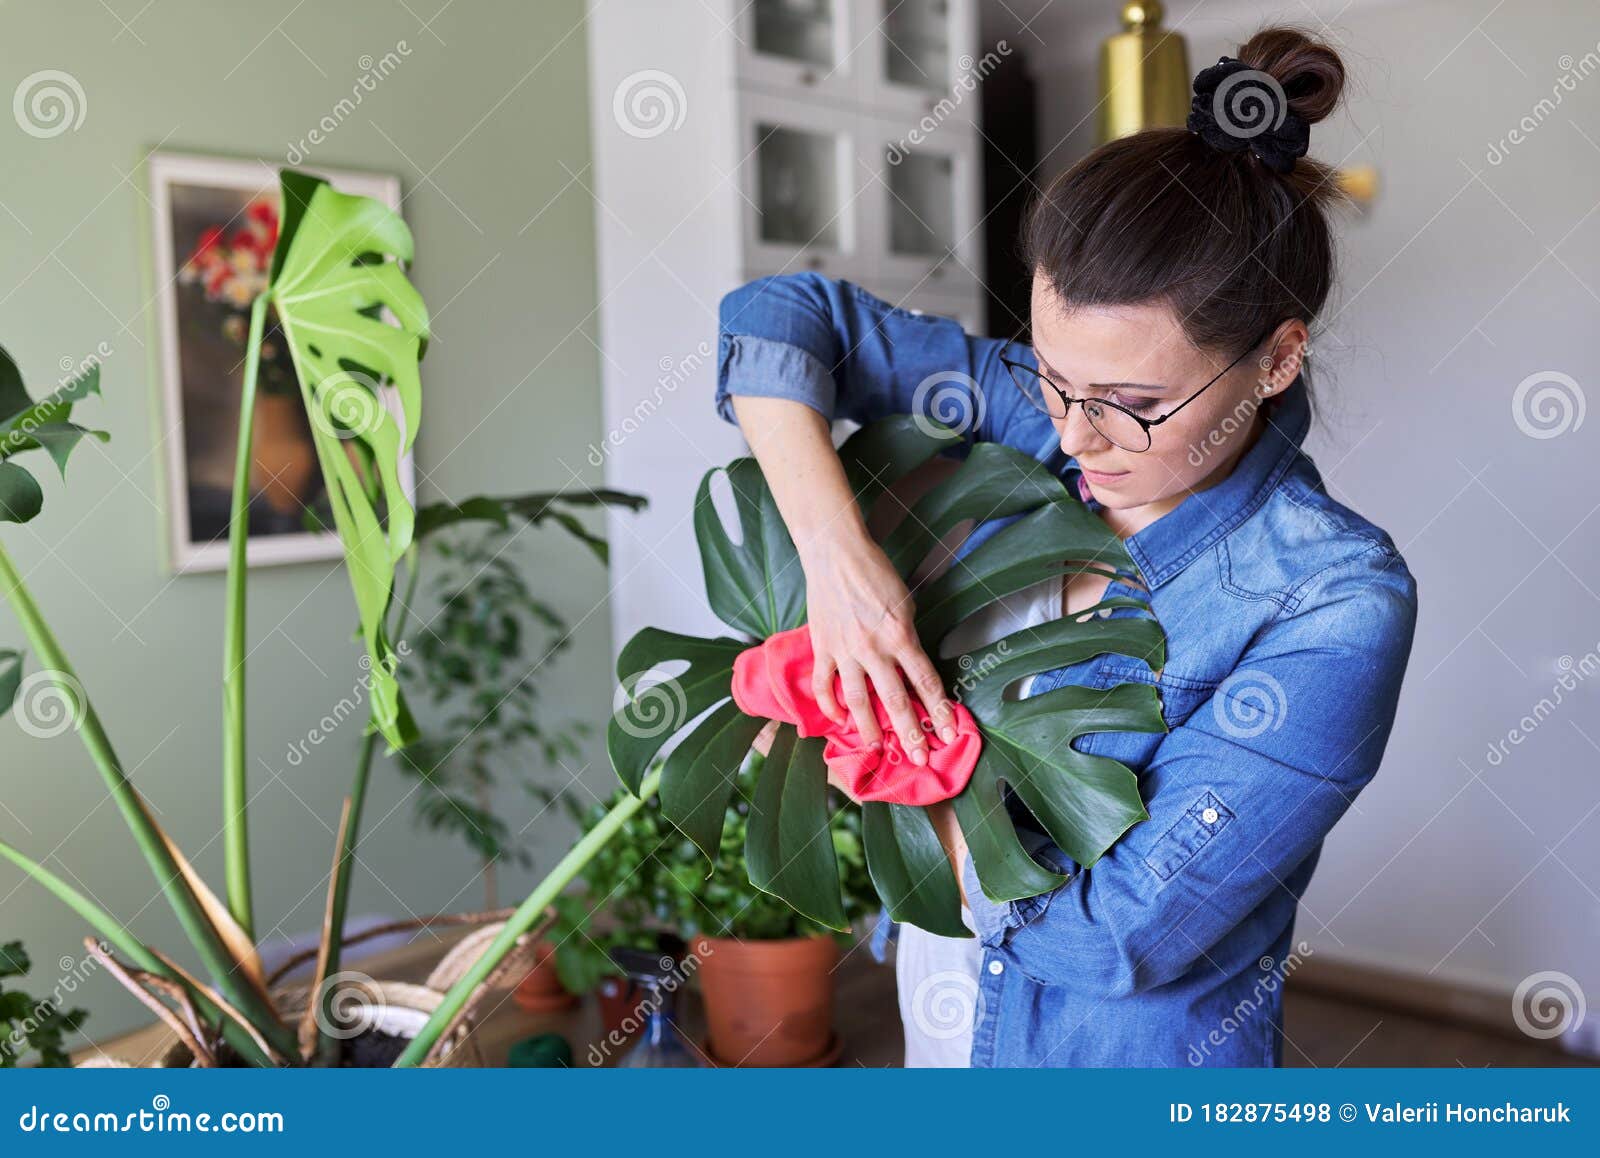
column 43, row 425
column 677, row 687
column 356, row 329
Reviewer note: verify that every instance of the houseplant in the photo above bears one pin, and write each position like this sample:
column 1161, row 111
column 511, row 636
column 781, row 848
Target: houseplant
column 32, row 1027
column 480, row 662
column 755, row 584
column 354, row 328
column 766, row 972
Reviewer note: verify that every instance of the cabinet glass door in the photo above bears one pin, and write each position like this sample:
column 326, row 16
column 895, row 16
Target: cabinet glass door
column 797, row 30
column 916, row 43
column 797, row 187
column 922, row 216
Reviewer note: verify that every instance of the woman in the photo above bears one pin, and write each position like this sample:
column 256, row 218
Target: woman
column 1176, row 276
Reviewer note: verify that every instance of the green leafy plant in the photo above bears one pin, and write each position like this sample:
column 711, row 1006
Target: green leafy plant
column 755, row 584
column 355, row 329
column 30, row 1026
column 480, row 660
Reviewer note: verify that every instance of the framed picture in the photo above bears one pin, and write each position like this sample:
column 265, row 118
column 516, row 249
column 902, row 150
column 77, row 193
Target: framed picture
column 216, row 223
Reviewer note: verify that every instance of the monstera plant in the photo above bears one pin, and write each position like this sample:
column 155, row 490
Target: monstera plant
column 355, row 329
column 755, row 584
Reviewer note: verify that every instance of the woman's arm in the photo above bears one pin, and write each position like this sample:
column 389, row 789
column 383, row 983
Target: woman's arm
column 857, row 605
column 796, row 351
column 847, row 354
column 1237, row 799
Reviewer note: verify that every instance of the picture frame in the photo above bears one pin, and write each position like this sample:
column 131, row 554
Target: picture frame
column 214, row 228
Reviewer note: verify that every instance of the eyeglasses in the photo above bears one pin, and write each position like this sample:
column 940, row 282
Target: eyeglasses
column 1116, row 424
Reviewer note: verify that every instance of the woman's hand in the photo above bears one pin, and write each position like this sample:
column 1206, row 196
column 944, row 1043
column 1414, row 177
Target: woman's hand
column 860, row 615
column 859, row 610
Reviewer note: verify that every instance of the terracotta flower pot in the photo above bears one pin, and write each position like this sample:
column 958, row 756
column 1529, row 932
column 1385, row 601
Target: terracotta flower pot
column 768, row 1003
column 541, row 990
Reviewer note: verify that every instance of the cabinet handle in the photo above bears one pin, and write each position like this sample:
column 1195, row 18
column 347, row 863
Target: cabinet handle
column 808, row 77
column 816, row 261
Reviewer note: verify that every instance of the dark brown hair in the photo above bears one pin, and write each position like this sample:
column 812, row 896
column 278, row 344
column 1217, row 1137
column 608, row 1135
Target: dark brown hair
column 1230, row 245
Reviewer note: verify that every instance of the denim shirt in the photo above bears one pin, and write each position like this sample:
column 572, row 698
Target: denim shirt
column 1289, row 621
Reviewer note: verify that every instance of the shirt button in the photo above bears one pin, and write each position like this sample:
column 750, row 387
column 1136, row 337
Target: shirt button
column 996, row 968
column 1209, row 816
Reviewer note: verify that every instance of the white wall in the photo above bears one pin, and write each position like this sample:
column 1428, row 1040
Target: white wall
column 1462, row 280
column 667, row 224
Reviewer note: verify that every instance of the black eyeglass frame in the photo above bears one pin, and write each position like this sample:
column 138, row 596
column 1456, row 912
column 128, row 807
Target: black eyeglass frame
column 1146, row 424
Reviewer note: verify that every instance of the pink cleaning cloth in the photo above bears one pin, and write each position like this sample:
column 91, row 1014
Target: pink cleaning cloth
column 773, row 680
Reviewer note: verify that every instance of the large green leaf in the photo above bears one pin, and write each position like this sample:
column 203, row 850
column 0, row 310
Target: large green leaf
column 698, row 777
column 788, row 847
column 909, row 868
column 657, row 705
column 356, row 329
column 754, row 584
column 1084, row 802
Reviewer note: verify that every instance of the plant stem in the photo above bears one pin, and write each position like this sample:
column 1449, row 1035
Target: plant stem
column 527, row 914
column 201, row 933
column 327, row 1046
column 235, row 817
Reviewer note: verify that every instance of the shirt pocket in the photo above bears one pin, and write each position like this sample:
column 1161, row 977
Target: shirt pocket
column 1191, row 832
column 1180, row 694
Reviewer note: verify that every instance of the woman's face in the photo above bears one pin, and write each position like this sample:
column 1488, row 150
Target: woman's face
column 1138, row 357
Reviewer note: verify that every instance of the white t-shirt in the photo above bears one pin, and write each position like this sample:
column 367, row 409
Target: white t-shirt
column 937, row 977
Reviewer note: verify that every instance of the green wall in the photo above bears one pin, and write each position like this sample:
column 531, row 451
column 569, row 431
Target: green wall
column 485, row 121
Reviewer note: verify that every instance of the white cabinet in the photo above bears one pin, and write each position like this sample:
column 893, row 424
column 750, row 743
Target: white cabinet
column 859, row 149
column 800, row 45
column 800, row 176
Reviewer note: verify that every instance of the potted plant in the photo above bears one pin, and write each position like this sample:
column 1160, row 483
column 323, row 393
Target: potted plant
column 765, row 971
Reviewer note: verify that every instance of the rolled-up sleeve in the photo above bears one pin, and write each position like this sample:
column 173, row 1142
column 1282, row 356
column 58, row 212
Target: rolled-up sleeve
column 847, row 354
column 1239, row 795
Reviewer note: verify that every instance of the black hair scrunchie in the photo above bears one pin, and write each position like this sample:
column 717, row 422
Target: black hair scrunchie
column 1236, row 107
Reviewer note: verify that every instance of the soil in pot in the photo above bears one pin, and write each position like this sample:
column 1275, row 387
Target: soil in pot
column 768, row 1003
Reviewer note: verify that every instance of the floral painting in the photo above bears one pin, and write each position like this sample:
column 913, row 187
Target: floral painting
column 215, row 229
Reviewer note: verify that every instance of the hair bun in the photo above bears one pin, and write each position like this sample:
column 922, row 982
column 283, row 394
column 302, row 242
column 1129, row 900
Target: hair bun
column 1308, row 70
column 1266, row 99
